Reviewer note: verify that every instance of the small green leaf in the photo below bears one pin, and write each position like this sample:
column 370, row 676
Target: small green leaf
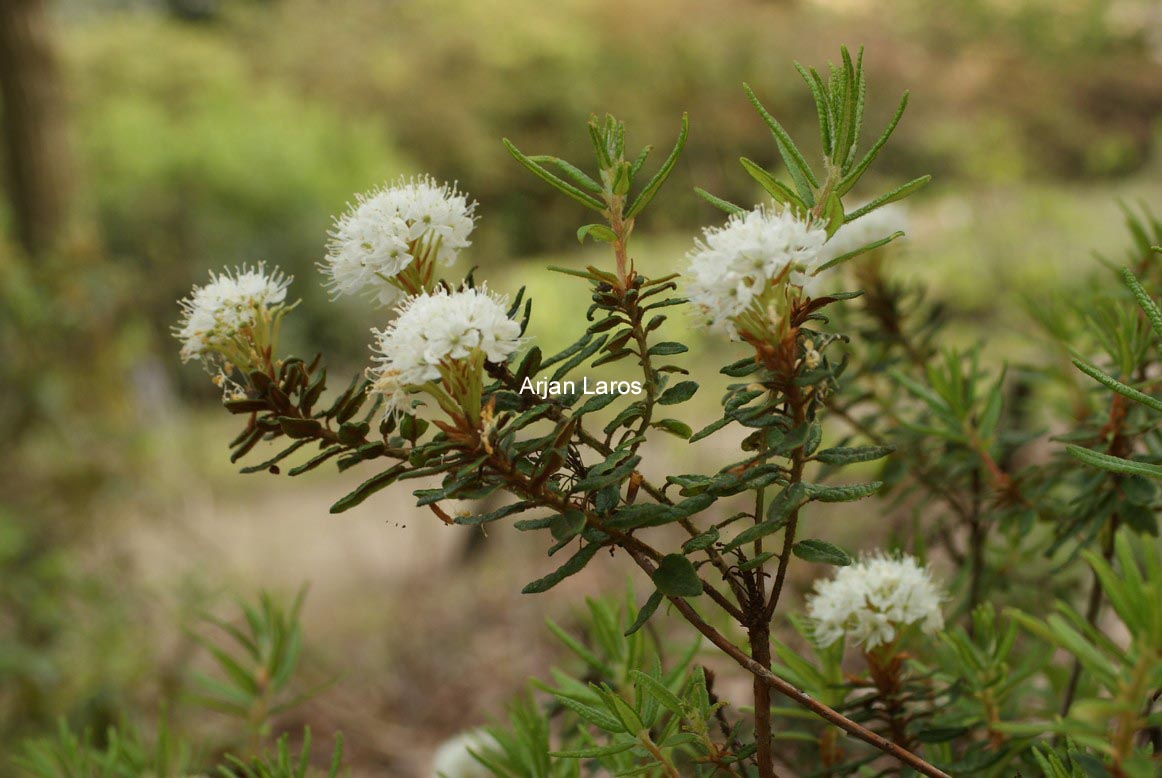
column 723, row 205
column 597, row 232
column 822, row 552
column 842, row 455
column 678, row 393
column 1118, row 386
column 294, row 427
column 667, row 348
column 564, row 187
column 646, row 611
column 1114, row 464
column 845, row 493
column 899, row 193
column 674, row 427
column 567, row 525
column 778, row 191
column 368, row 488
column 655, row 183
column 573, row 565
column 676, row 577
column 579, row 176
column 700, row 542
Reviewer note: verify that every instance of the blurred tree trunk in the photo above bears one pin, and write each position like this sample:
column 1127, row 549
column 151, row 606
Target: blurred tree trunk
column 35, row 140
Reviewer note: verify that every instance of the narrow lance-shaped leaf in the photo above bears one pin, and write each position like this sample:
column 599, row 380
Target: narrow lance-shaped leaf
column 573, row 565
column 857, row 172
column 822, row 552
column 1149, row 307
column 797, row 166
column 560, row 185
column 822, row 107
column 579, row 176
column 1114, row 464
column 771, row 185
column 899, row 193
column 1118, row 386
column 861, row 250
column 655, row 183
column 722, row 205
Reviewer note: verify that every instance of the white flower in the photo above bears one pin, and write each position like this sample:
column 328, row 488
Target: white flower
column 214, row 315
column 453, row 759
column 389, row 230
column 873, row 600
column 877, row 225
column 433, row 332
column 732, row 267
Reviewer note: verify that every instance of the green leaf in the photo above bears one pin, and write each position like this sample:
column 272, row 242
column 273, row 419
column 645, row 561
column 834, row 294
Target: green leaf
column 678, row 393
column 276, row 458
column 822, row 552
column 499, row 513
column 655, row 183
column 676, row 577
column 1118, row 386
column 596, row 403
column 899, row 193
column 1114, row 464
column 741, row 368
column 796, row 164
column 771, row 185
column 597, row 232
column 722, row 205
column 616, row 747
column 674, row 427
column 709, row 429
column 298, row 428
column 842, row 455
column 567, row 525
column 851, row 178
column 573, row 565
column 658, row 690
column 777, row 512
column 368, row 488
column 667, row 348
column 845, row 493
column 646, row 611
column 315, row 461
column 702, row 541
column 579, row 176
column 859, row 251
column 755, row 562
column 566, row 188
column 245, row 405
column 1149, row 307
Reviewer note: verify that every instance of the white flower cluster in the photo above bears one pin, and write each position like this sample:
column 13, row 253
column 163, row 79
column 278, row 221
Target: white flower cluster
column 874, row 599
column 213, row 315
column 732, row 266
column 453, row 759
column 877, row 225
column 434, row 330
column 390, row 228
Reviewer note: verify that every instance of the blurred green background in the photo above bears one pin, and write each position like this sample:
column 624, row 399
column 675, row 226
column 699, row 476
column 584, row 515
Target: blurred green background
column 147, row 142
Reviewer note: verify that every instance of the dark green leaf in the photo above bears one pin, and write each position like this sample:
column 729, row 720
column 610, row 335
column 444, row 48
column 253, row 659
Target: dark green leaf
column 822, row 552
column 678, row 393
column 574, row 565
column 676, row 577
column 646, row 611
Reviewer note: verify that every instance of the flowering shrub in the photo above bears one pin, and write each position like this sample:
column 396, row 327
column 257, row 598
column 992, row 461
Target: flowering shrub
column 826, row 378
